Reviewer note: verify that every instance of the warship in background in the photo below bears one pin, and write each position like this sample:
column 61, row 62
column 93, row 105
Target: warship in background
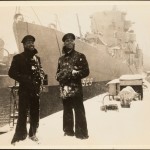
column 110, row 48
column 5, row 81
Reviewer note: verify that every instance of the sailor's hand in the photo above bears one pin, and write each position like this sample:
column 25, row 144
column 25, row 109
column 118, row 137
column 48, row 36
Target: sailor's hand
column 74, row 72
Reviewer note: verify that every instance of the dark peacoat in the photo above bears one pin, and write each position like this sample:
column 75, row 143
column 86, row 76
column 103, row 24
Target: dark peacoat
column 70, row 85
column 27, row 71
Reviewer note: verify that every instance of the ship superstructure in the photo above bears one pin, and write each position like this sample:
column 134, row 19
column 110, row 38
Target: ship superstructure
column 113, row 31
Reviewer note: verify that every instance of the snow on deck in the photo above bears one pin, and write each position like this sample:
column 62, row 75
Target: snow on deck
column 131, row 77
column 126, row 128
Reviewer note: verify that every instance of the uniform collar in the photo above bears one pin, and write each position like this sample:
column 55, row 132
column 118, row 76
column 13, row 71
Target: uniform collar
column 70, row 52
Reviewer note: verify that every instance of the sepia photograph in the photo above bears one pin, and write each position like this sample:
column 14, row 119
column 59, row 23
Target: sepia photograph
column 74, row 74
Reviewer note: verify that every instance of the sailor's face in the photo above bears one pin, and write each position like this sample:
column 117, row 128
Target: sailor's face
column 69, row 43
column 29, row 44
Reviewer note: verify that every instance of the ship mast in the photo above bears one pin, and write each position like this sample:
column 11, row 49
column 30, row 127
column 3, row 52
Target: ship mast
column 17, row 10
column 57, row 22
column 79, row 27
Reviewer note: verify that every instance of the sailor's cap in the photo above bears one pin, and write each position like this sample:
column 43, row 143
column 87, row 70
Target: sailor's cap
column 28, row 37
column 67, row 36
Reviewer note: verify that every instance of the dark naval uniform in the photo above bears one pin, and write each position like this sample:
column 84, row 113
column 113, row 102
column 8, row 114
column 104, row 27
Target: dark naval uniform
column 71, row 92
column 27, row 70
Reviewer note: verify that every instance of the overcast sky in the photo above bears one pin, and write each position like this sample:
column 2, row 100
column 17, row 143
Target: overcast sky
column 137, row 11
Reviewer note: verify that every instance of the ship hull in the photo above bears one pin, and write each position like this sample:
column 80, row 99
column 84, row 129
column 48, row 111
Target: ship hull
column 103, row 67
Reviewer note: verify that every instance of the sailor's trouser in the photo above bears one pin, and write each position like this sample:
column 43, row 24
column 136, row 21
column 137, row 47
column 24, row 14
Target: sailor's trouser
column 75, row 103
column 27, row 102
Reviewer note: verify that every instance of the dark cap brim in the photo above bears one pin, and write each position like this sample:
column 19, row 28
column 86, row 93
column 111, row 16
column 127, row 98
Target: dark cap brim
column 68, row 35
column 28, row 37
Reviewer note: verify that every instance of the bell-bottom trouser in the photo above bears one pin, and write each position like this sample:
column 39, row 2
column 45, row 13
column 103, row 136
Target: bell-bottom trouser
column 27, row 102
column 75, row 103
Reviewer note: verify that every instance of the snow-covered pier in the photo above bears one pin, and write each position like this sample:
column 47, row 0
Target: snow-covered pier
column 125, row 128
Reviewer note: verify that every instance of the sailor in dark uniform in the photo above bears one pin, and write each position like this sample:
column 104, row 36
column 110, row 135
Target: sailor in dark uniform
column 27, row 70
column 72, row 67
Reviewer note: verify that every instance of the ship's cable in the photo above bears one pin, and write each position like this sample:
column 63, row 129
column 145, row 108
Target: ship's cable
column 57, row 42
column 36, row 16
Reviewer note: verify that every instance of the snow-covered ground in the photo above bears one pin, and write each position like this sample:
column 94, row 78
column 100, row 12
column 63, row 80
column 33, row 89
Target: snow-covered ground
column 126, row 128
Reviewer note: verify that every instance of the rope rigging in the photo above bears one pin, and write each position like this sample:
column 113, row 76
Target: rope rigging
column 36, row 16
